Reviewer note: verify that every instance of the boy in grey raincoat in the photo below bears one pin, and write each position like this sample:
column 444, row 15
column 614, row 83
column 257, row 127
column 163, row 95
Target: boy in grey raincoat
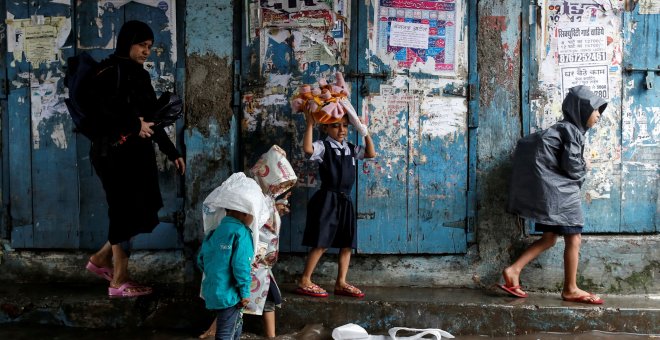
column 548, row 172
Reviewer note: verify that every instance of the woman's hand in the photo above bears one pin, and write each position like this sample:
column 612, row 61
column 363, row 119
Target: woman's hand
column 180, row 165
column 145, row 128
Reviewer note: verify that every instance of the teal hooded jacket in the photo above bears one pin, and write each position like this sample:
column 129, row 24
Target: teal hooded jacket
column 225, row 259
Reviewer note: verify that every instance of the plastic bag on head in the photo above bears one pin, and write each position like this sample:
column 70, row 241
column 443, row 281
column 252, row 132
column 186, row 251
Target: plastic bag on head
column 238, row 193
column 273, row 172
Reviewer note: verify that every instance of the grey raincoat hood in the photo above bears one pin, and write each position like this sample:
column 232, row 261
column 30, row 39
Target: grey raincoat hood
column 549, row 168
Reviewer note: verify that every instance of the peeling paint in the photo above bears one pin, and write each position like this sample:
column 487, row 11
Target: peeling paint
column 444, row 116
column 59, row 136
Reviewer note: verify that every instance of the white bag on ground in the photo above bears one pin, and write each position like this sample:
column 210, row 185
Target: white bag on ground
column 355, row 332
column 350, row 331
column 421, row 332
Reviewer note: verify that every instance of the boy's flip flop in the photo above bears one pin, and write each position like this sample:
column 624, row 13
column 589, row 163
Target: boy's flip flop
column 102, row 272
column 588, row 299
column 512, row 290
column 349, row 290
column 312, row 290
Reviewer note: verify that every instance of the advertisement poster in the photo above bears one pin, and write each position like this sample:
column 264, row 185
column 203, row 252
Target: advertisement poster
column 301, row 13
column 596, row 77
column 418, row 32
column 38, row 38
column 582, row 57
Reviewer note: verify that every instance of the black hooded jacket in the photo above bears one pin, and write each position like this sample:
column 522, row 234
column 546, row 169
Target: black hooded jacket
column 126, row 163
column 549, row 168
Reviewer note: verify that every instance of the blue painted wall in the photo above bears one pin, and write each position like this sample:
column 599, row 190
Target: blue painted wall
column 211, row 132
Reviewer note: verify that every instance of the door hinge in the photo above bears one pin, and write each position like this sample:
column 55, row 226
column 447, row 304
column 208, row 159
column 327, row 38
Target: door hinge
column 237, row 83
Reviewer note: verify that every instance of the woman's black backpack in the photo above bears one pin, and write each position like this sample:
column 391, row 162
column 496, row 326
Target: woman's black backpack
column 81, row 70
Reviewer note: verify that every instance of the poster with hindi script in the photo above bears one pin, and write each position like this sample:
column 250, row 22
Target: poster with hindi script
column 418, row 32
column 582, row 58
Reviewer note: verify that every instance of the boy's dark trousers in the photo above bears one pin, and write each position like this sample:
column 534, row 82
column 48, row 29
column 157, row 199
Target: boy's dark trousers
column 229, row 324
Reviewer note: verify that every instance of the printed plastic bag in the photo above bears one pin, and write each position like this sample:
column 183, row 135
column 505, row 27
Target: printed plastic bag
column 355, row 332
column 273, row 172
column 421, row 332
column 238, row 193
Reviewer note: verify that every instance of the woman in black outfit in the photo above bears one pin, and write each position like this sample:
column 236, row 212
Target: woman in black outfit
column 123, row 155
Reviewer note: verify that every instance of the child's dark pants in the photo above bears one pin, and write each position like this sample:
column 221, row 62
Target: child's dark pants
column 229, row 324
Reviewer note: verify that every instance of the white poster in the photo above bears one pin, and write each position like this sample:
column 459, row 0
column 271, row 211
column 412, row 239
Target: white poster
column 595, row 77
column 407, row 34
column 581, row 45
column 582, row 58
column 649, row 7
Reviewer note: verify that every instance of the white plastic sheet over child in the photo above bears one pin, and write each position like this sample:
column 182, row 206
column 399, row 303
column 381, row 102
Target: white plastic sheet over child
column 238, row 193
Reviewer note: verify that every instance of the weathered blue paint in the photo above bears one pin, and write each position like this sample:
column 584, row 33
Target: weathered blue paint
column 639, row 146
column 413, row 198
column 55, row 209
column 20, row 167
column 4, row 91
column 209, row 25
column 473, row 121
column 620, row 194
column 56, row 199
column 528, row 19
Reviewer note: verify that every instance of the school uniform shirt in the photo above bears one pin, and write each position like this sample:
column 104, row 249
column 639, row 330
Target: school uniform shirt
column 331, row 218
column 549, row 167
column 225, row 259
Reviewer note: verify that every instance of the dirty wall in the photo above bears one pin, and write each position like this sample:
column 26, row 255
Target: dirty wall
column 608, row 263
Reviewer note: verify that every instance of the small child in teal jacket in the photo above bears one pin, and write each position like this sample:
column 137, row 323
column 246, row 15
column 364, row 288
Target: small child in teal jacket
column 225, row 259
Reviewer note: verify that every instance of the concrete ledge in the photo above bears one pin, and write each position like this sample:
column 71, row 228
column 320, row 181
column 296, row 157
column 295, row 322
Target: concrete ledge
column 458, row 311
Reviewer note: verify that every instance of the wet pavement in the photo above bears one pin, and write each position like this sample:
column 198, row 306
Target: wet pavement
column 31, row 311
column 313, row 332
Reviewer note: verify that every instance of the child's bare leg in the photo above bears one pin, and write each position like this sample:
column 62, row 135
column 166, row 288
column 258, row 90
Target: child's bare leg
column 269, row 324
column 342, row 267
column 571, row 258
column 312, row 260
column 210, row 333
column 512, row 273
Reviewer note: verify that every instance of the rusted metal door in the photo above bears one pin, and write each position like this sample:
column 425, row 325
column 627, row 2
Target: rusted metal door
column 607, row 46
column 414, row 197
column 55, row 199
column 288, row 44
column 407, row 65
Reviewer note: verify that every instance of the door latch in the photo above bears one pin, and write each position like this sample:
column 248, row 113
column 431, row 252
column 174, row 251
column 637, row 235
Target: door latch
column 362, row 75
column 649, row 74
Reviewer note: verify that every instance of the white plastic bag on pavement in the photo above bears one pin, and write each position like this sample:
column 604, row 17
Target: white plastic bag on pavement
column 238, row 193
column 434, row 332
column 350, row 331
column 355, row 332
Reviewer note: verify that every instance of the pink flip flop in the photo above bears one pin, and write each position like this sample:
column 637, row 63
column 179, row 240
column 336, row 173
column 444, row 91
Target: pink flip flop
column 123, row 290
column 102, row 272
